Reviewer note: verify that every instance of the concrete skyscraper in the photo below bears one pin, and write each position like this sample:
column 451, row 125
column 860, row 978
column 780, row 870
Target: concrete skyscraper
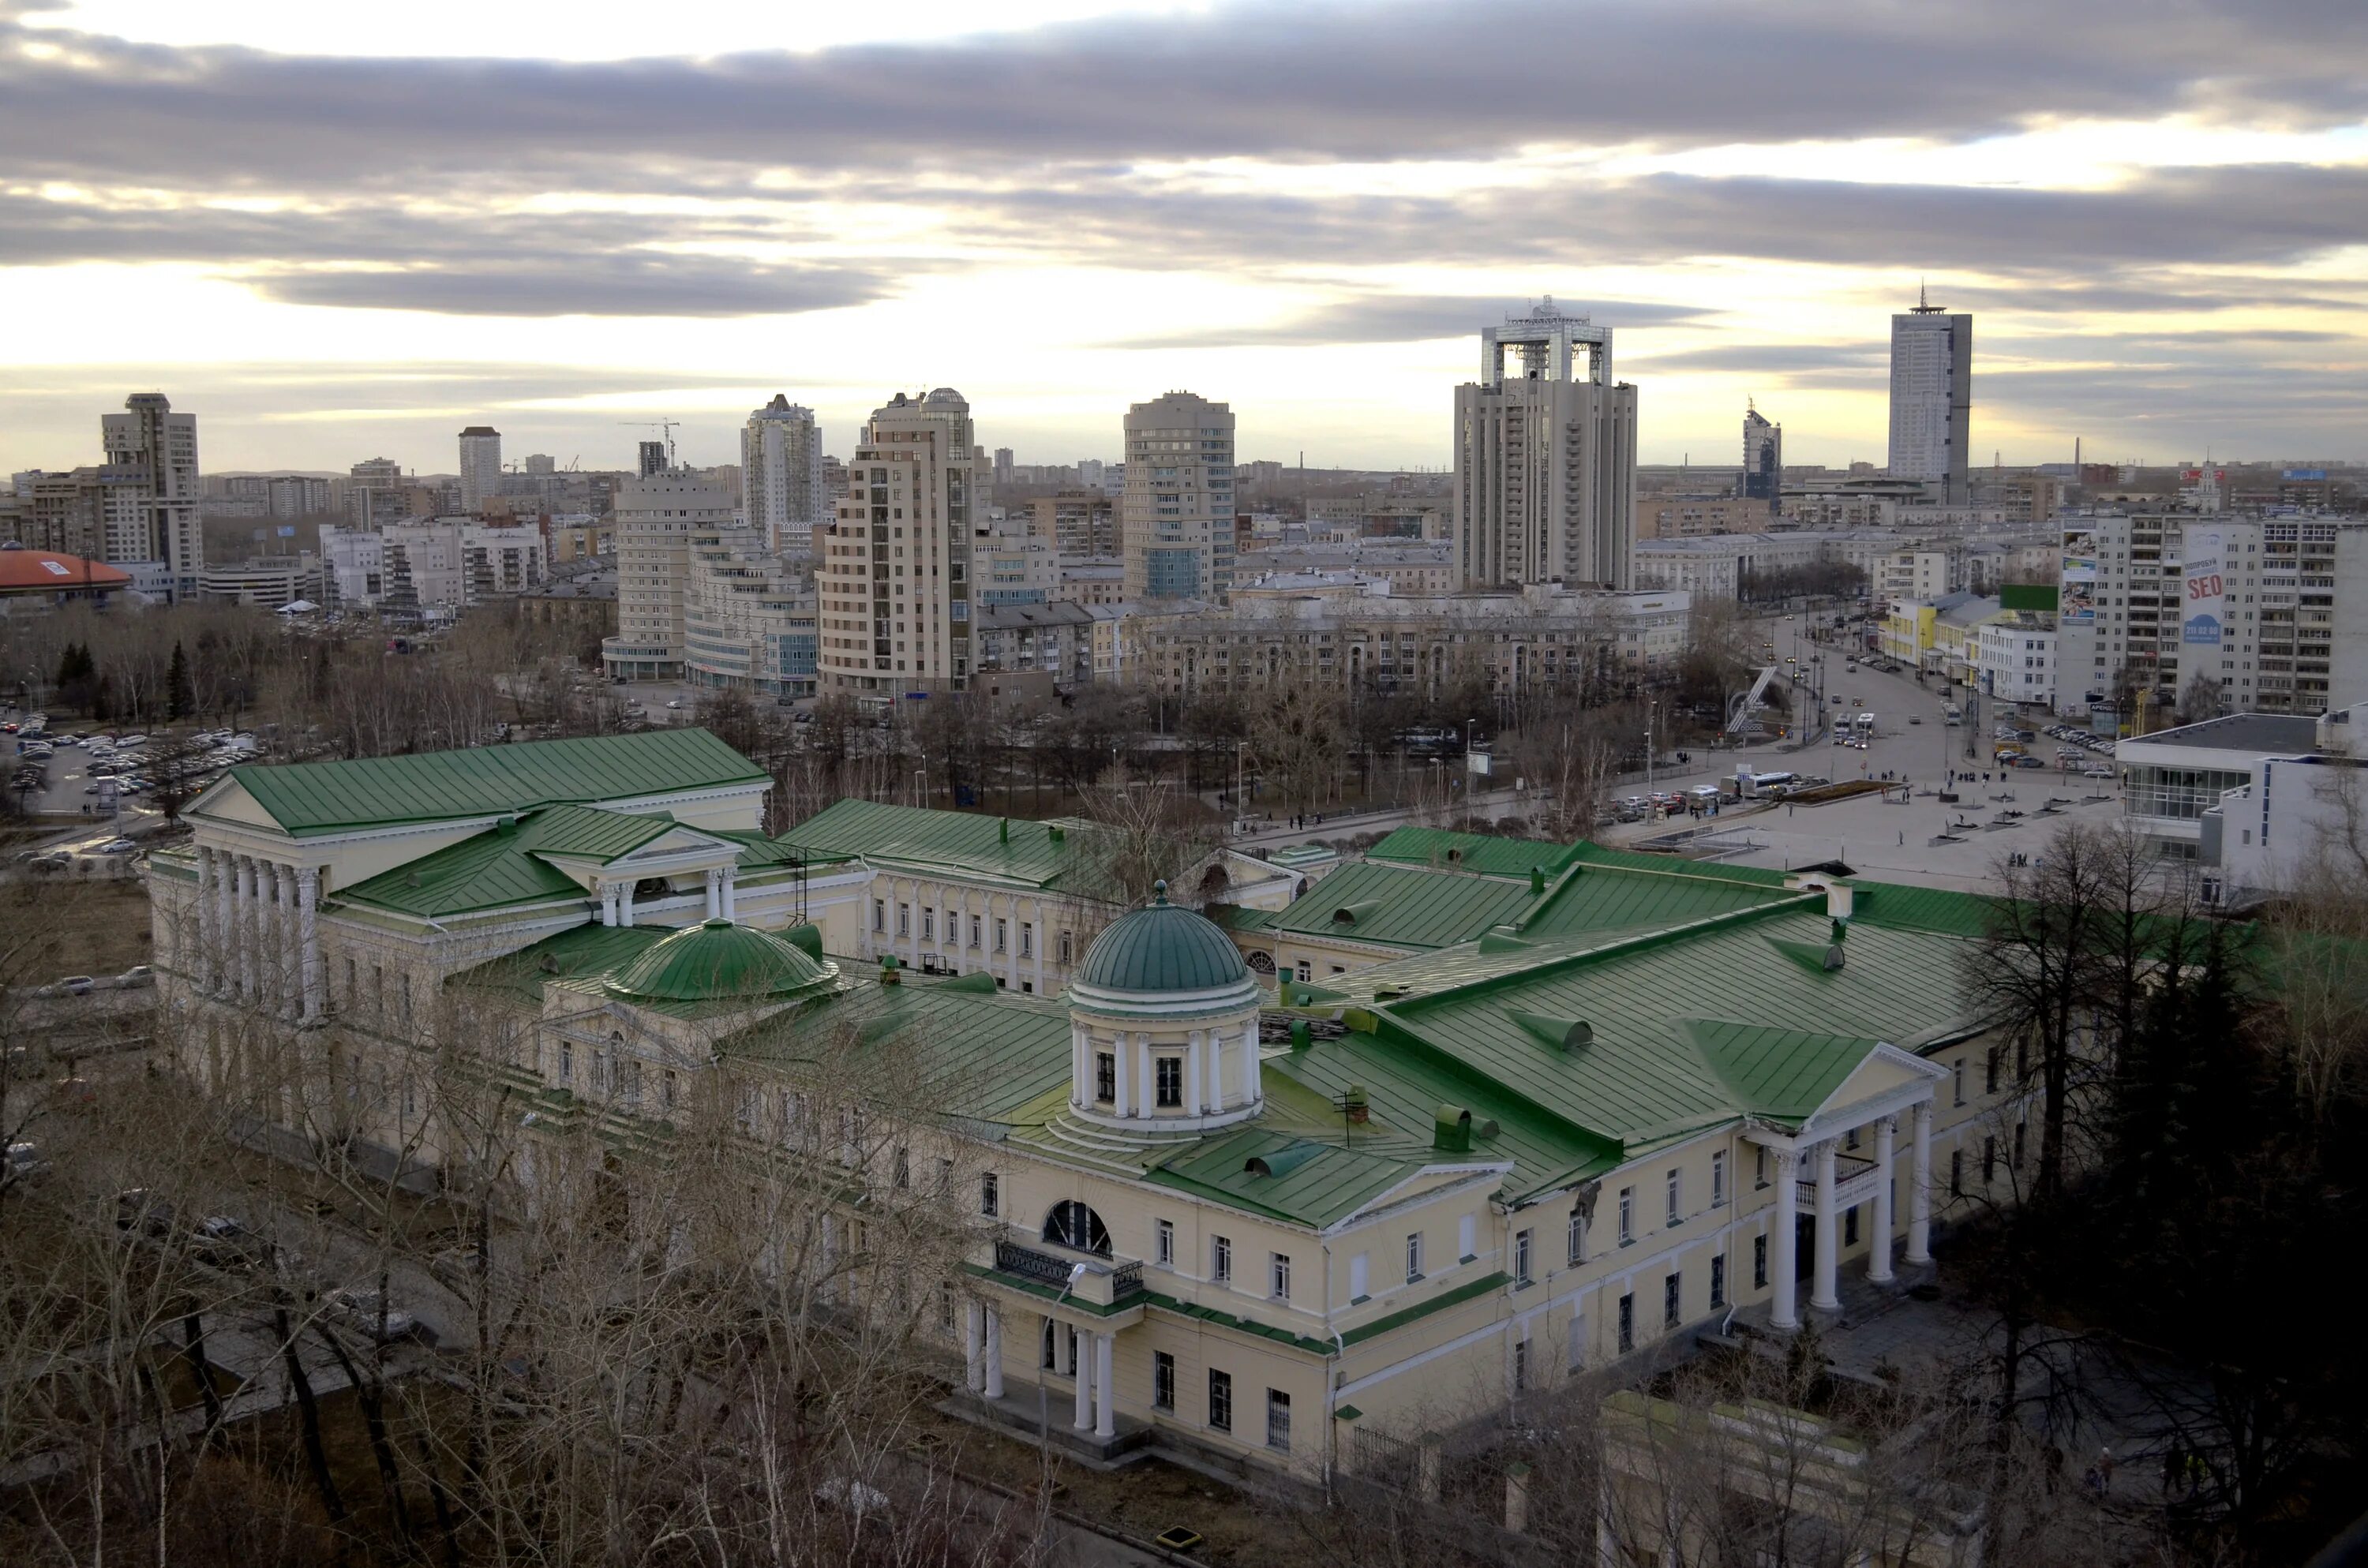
column 650, row 459
column 481, row 466
column 894, row 569
column 780, row 474
column 1763, row 459
column 1932, row 399
column 156, row 517
column 1545, row 462
column 1175, row 516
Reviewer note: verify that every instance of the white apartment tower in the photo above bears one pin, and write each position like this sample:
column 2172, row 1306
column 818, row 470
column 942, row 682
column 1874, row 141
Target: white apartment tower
column 1175, row 516
column 780, row 474
column 894, row 569
column 656, row 517
column 159, row 521
column 1545, row 461
column 481, row 466
column 1932, row 399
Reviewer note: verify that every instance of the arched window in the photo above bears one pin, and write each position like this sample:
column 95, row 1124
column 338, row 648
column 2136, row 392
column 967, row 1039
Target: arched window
column 1074, row 1225
column 1261, row 962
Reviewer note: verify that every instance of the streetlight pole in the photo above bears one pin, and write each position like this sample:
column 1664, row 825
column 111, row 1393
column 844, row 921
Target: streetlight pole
column 1043, row 1408
column 1651, row 708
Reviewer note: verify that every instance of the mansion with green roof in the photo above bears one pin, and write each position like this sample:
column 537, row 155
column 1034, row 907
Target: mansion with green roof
column 1460, row 1122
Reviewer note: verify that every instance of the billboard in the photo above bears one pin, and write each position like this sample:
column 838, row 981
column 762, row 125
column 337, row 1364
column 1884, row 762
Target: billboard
column 2079, row 604
column 2304, row 473
column 2206, row 589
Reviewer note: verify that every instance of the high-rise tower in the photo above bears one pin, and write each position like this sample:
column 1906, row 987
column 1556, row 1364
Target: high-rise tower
column 481, row 466
column 1545, row 461
column 1763, row 459
column 159, row 518
column 780, row 474
column 1932, row 399
column 1175, row 517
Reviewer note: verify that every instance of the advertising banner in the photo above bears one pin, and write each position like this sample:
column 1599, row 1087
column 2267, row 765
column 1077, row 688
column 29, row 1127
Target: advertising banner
column 2079, row 606
column 2206, row 589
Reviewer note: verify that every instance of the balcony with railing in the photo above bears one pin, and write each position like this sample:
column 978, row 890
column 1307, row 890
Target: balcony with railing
column 1102, row 1282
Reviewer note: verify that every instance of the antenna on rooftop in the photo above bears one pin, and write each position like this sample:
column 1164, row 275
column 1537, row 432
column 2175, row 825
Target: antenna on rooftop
column 1924, row 305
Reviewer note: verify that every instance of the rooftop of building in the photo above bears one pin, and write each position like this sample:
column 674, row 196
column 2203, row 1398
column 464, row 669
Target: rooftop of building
column 2266, row 734
column 23, row 570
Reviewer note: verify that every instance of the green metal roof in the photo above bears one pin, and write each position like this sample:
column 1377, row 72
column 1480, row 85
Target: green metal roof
column 1921, row 909
column 1162, row 946
column 717, row 960
column 503, row 865
column 1312, row 1182
column 1403, row 906
column 1783, row 1074
column 310, row 798
column 1040, row 854
column 586, row 951
column 1618, row 897
column 1593, row 854
column 1484, row 853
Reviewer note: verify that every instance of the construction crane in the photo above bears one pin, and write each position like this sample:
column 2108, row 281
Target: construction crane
column 665, row 424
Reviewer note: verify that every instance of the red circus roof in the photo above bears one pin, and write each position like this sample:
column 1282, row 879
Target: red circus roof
column 26, row 571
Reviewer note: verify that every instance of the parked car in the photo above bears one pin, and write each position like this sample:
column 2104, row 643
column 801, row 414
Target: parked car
column 227, row 1243
column 117, row 847
column 23, row 1163
column 368, row 1311
column 75, row 985
column 140, row 1210
column 2096, row 773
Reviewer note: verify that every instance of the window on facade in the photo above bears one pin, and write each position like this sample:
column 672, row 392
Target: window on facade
column 1164, row 1245
column 1627, row 1215
column 1027, row 939
column 929, row 923
column 903, row 920
column 1068, row 941
column 1163, row 1381
column 1520, row 1366
column 1989, row 1161
column 2019, row 1128
column 974, row 930
column 1414, row 1257
column 1220, row 1260
column 1220, row 1400
column 1001, row 927
column 1575, row 1239
column 1627, row 1324
column 1718, row 1281
column 904, row 1167
column 880, row 914
column 665, row 1088
column 1278, row 1277
column 1169, row 1072
column 1672, row 1295
column 1105, row 1077
column 1278, row 1420
column 1759, row 1168
column 1718, row 1180
column 990, row 1194
column 1990, row 1070
column 1957, row 1078
column 1520, row 1258
column 1760, row 1262
column 1956, row 1173
column 566, row 1063
column 1676, row 1196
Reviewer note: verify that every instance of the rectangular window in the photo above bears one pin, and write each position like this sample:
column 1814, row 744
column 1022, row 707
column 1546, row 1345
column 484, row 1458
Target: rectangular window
column 1027, row 939
column 1001, row 929
column 1575, row 1243
column 929, row 923
column 1671, row 1294
column 1718, row 1180
column 1956, row 1173
column 1278, row 1420
column 1520, row 1258
column 1220, row 1400
column 1068, row 940
column 1306, row 971
column 975, row 924
column 1414, row 1257
column 1989, row 1161
column 667, row 1087
column 990, row 1194
column 1759, row 1166
column 1164, row 1245
column 1627, row 1215
column 1627, row 1324
column 1106, row 1077
column 566, row 1063
column 1467, row 1248
column 2019, row 1128
column 1163, row 1381
column 1718, row 1281
column 1358, row 1272
column 1577, row 1347
column 1279, row 1277
column 1168, row 1071
column 1760, row 1262
column 1520, row 1366
column 903, row 920
column 1990, row 1070
column 1220, row 1260
column 1676, row 1196
column 880, row 914
column 1957, row 1078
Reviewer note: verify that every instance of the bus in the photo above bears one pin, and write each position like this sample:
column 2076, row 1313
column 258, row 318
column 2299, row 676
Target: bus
column 1865, row 726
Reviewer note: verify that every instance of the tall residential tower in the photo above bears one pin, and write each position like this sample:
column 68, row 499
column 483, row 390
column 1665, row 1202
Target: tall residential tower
column 156, row 518
column 780, row 474
column 1545, row 462
column 481, row 466
column 894, row 569
column 1932, row 399
column 1175, row 517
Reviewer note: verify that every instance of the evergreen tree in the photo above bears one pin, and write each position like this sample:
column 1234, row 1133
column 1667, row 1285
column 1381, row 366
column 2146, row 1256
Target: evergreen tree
column 181, row 695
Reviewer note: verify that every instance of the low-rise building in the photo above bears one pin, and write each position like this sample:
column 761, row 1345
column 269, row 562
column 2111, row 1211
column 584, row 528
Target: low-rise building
column 2301, row 818
column 1096, row 581
column 748, row 622
column 266, row 582
column 2171, row 778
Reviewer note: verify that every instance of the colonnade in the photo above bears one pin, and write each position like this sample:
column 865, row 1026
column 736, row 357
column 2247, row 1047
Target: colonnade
column 1825, row 1293
column 258, row 936
column 1095, row 1405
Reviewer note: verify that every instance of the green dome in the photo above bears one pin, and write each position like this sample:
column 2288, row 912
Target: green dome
column 716, row 960
column 1162, row 946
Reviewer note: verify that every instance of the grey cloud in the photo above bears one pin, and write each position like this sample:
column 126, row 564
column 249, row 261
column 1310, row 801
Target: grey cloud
column 1780, row 359
column 1406, row 318
column 1387, row 81
column 593, row 286
column 2135, row 296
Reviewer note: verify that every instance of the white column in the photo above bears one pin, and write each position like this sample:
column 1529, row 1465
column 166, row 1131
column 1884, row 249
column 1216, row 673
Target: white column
column 625, row 903
column 1192, row 1079
column 1824, row 1293
column 1785, row 1262
column 714, row 893
column 1081, row 1083
column 1043, row 936
column 1105, row 1405
column 204, row 967
column 1081, row 1347
column 1143, row 1091
column 608, row 903
column 1920, row 1189
column 225, row 943
column 1878, row 1258
column 1216, row 1068
column 249, row 923
column 1121, row 1103
column 308, row 934
column 730, row 911
column 973, row 1347
column 994, row 1389
column 271, row 945
column 1251, row 1064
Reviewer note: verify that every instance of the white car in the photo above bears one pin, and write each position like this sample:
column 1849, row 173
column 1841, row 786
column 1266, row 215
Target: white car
column 2096, row 773
column 359, row 1309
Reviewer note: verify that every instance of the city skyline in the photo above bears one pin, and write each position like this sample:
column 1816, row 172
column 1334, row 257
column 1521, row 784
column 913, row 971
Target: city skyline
column 327, row 273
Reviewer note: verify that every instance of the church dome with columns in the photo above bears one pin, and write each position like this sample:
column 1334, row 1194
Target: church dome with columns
column 1164, row 1016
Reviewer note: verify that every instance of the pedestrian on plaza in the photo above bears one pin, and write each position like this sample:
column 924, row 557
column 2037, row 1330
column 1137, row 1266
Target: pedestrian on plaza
column 2105, row 1465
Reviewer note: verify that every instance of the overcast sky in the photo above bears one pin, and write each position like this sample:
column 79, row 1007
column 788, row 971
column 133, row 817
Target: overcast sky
column 337, row 231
